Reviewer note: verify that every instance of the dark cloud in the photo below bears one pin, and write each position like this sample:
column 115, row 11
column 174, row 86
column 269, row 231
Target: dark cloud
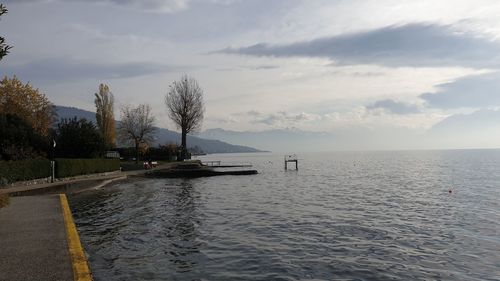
column 259, row 67
column 150, row 5
column 253, row 113
column 472, row 91
column 62, row 70
column 362, row 74
column 406, row 45
column 394, row 107
column 248, row 67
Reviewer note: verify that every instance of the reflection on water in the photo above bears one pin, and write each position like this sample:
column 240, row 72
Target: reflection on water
column 182, row 232
column 141, row 231
column 344, row 216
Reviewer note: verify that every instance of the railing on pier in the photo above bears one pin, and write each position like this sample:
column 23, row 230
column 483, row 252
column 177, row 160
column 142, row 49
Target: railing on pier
column 211, row 163
column 217, row 164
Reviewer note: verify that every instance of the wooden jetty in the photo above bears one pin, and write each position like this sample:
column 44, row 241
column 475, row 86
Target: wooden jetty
column 290, row 159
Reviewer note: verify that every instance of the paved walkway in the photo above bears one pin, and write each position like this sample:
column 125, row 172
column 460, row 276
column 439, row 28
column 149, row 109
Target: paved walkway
column 33, row 243
column 58, row 186
column 38, row 238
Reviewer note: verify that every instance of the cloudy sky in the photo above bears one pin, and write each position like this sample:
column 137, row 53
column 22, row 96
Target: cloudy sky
column 320, row 66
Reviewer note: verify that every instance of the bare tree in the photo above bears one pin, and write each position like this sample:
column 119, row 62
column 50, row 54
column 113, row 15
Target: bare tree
column 136, row 126
column 104, row 103
column 185, row 107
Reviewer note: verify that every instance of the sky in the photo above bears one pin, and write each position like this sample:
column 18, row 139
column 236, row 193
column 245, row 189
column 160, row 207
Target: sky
column 380, row 68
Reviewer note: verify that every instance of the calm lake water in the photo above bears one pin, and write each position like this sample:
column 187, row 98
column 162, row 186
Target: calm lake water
column 342, row 216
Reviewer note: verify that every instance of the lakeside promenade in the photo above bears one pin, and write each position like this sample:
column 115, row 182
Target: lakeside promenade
column 34, row 240
column 38, row 238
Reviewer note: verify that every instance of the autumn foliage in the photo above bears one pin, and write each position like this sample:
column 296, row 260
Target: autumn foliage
column 27, row 103
column 104, row 102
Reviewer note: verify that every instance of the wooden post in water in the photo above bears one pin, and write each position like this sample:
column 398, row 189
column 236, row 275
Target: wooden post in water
column 291, row 158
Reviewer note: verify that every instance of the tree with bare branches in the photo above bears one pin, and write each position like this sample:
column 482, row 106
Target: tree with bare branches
column 136, row 126
column 185, row 106
column 105, row 117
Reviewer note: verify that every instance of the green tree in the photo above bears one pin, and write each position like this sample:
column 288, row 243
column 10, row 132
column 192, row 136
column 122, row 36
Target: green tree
column 78, row 138
column 137, row 126
column 4, row 48
column 185, row 106
column 19, row 141
column 26, row 102
column 104, row 102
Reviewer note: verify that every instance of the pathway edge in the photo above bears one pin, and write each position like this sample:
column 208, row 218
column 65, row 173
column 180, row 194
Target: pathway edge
column 81, row 270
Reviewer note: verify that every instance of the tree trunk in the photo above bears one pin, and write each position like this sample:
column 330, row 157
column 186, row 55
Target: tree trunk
column 136, row 152
column 184, row 145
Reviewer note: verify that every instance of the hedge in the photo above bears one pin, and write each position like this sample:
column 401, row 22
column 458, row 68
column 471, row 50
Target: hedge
column 23, row 170
column 76, row 167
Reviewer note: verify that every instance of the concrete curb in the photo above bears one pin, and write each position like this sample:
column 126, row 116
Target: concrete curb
column 81, row 270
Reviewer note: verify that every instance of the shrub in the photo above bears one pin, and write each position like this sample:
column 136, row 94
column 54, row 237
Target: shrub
column 18, row 140
column 76, row 167
column 78, row 138
column 131, row 166
column 12, row 171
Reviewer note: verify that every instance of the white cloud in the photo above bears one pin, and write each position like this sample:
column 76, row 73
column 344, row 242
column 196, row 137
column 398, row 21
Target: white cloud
column 79, row 44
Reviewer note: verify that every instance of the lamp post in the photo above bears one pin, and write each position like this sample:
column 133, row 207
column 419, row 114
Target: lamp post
column 52, row 162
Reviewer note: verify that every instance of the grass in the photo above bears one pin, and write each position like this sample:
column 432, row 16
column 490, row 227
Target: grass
column 131, row 166
column 4, row 200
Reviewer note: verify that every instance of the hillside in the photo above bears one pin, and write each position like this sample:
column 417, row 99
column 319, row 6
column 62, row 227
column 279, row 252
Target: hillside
column 164, row 136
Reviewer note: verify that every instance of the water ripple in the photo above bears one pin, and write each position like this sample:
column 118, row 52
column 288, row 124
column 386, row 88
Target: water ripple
column 343, row 216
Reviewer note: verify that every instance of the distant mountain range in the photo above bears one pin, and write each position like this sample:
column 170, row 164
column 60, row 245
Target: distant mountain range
column 164, row 136
column 284, row 140
column 479, row 129
column 485, row 120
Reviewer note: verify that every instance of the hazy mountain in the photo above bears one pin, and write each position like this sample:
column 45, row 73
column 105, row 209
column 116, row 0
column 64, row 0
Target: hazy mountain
column 481, row 120
column 294, row 140
column 289, row 140
column 480, row 129
column 163, row 135
column 207, row 145
column 65, row 112
column 474, row 130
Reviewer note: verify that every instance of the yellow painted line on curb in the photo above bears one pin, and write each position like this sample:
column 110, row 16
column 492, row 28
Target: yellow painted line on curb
column 81, row 270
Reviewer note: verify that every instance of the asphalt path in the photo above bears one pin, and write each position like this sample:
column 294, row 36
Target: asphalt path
column 33, row 241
